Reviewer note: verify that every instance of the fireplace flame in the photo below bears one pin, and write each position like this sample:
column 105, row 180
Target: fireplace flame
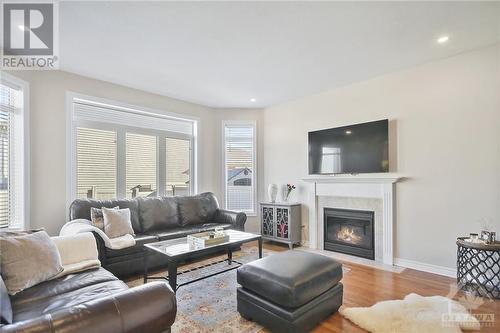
column 347, row 234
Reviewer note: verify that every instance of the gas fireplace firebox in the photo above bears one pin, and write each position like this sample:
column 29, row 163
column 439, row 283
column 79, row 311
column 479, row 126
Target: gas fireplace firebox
column 350, row 231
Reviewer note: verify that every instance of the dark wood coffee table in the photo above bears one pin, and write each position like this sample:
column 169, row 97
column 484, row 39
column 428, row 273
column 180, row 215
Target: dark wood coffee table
column 178, row 250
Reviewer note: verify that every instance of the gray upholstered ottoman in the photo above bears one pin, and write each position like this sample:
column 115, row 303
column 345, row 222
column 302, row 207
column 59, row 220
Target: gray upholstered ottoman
column 291, row 291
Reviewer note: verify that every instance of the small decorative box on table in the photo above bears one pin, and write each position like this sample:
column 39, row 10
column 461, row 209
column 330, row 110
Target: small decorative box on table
column 204, row 239
column 478, row 267
column 280, row 222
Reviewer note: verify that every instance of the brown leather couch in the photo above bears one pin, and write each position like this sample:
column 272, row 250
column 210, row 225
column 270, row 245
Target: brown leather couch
column 157, row 219
column 90, row 301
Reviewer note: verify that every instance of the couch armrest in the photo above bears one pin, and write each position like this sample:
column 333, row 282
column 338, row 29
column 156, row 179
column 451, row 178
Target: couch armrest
column 237, row 219
column 148, row 308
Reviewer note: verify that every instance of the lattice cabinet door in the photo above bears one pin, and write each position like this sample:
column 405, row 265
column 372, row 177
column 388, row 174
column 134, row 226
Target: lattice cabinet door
column 282, row 222
column 268, row 221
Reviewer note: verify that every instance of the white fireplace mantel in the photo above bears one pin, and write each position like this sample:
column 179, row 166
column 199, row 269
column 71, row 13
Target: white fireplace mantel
column 374, row 185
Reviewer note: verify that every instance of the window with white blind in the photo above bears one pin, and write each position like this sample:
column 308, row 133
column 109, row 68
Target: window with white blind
column 239, row 166
column 125, row 152
column 13, row 153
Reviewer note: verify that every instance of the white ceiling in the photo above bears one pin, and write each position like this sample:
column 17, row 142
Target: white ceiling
column 225, row 53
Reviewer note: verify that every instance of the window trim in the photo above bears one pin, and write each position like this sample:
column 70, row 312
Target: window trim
column 24, row 139
column 253, row 124
column 71, row 125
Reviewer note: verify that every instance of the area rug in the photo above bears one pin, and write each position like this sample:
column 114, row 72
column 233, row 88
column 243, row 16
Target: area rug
column 413, row 314
column 209, row 305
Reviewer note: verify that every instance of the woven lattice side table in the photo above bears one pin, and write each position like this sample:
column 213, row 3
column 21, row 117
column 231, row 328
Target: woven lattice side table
column 478, row 267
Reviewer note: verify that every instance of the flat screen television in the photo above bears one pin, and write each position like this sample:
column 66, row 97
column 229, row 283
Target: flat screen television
column 358, row 148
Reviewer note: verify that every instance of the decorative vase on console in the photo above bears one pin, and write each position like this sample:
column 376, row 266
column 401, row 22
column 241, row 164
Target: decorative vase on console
column 272, row 191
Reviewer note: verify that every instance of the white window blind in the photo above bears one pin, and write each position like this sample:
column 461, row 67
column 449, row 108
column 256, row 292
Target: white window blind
column 141, row 165
column 239, row 167
column 126, row 153
column 178, row 152
column 96, row 163
column 12, row 156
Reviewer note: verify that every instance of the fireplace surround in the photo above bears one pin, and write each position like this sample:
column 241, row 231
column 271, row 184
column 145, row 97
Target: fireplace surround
column 379, row 186
column 350, row 231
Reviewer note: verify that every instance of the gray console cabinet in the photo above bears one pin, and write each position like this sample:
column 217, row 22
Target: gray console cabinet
column 280, row 222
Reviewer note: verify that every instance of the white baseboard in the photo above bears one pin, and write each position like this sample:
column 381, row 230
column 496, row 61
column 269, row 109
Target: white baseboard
column 420, row 266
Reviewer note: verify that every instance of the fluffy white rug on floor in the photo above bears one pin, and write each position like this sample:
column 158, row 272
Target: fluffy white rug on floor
column 413, row 314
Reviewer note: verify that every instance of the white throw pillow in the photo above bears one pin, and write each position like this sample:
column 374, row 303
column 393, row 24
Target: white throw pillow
column 117, row 222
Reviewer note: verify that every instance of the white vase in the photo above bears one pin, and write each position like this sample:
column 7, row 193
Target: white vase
column 272, row 191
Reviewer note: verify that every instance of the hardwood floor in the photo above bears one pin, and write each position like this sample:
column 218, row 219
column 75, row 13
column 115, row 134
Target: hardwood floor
column 365, row 286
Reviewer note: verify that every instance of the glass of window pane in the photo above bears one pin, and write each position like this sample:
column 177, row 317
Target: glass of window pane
column 96, row 163
column 178, row 156
column 239, row 154
column 141, row 158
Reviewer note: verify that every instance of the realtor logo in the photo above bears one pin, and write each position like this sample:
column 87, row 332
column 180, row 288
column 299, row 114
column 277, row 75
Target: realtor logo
column 29, row 36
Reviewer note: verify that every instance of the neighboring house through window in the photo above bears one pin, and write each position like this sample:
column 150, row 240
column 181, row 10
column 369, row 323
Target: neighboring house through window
column 14, row 153
column 239, row 166
column 126, row 152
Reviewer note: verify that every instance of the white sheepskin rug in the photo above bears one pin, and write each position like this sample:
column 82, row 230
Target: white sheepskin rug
column 413, row 314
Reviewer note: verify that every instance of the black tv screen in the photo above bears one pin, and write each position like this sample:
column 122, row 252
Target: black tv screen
column 359, row 148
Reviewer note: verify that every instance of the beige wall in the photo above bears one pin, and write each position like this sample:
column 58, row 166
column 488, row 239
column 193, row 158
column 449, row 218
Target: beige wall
column 447, row 116
column 48, row 136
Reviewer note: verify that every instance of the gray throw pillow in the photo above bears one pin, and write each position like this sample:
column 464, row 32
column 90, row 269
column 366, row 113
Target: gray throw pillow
column 27, row 260
column 96, row 217
column 117, row 222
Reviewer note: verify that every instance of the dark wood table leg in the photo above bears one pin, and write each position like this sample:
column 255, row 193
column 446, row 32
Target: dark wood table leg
column 260, row 247
column 229, row 256
column 145, row 262
column 172, row 275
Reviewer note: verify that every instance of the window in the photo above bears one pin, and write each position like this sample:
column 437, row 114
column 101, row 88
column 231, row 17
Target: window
column 14, row 171
column 178, row 170
column 239, row 166
column 123, row 152
column 96, row 163
column 141, row 165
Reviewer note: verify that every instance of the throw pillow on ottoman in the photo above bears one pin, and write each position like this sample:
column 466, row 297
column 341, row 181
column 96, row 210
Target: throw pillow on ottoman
column 291, row 291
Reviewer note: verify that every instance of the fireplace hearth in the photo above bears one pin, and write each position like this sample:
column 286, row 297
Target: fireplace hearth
column 349, row 231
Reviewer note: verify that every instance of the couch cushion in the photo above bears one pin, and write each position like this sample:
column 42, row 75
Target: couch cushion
column 80, row 209
column 138, row 248
column 197, row 209
column 290, row 278
column 42, row 306
column 184, row 231
column 158, row 213
column 63, row 285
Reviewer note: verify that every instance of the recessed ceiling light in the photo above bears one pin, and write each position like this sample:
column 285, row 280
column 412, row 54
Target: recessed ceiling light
column 253, row 100
column 348, row 132
column 443, row 39
column 21, row 27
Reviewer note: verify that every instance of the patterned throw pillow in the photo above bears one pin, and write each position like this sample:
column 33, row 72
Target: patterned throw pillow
column 96, row 217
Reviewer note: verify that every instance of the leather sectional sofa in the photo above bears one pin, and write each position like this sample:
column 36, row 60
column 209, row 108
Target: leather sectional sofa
column 91, row 301
column 157, row 219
